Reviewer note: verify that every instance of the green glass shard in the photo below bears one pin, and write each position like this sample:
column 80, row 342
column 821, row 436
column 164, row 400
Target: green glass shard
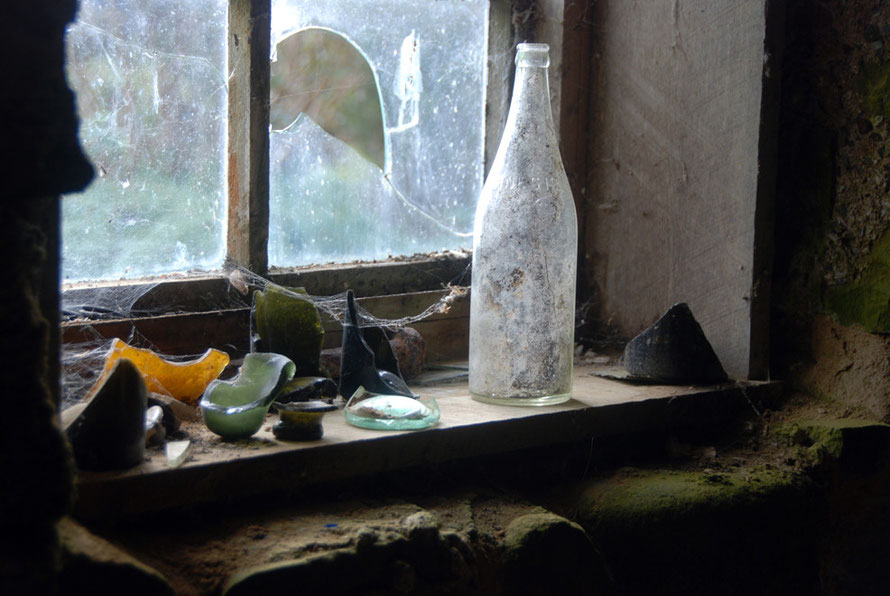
column 235, row 409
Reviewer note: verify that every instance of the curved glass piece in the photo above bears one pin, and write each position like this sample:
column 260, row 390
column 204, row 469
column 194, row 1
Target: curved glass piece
column 185, row 381
column 391, row 412
column 235, row 409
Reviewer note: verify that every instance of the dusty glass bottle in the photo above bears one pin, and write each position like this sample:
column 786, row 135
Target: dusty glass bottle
column 522, row 305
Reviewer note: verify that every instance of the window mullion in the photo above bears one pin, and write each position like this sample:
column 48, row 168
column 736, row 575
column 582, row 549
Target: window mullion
column 248, row 37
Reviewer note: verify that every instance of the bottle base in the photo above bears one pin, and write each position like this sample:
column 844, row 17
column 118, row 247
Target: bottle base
column 546, row 400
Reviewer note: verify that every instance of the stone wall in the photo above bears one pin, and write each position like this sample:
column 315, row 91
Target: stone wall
column 831, row 302
column 39, row 158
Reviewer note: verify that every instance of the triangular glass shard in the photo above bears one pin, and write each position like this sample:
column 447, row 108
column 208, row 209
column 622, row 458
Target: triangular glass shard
column 176, row 452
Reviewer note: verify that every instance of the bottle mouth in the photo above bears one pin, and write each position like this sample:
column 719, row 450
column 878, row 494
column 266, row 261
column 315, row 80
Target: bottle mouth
column 533, row 54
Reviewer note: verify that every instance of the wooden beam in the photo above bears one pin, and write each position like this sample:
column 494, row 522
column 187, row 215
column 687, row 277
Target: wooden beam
column 680, row 168
column 220, row 471
column 211, row 293
column 500, row 75
column 249, row 40
column 574, row 129
column 445, row 335
column 765, row 212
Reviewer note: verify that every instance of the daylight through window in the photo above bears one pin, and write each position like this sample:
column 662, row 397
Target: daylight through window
column 376, row 132
column 151, row 95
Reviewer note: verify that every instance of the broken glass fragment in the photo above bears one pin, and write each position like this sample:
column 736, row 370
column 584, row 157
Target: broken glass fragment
column 391, row 412
column 377, row 370
column 177, row 452
column 235, row 409
column 301, row 421
column 154, row 429
column 108, row 433
column 185, row 381
column 285, row 321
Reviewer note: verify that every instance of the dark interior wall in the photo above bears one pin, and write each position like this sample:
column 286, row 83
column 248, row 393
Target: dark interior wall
column 39, row 158
column 831, row 283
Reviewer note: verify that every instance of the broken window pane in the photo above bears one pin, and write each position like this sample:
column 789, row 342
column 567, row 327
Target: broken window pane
column 150, row 85
column 388, row 157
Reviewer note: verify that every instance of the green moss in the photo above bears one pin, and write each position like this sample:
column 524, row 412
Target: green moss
column 547, row 554
column 873, row 85
column 828, row 439
column 866, row 301
column 822, row 441
column 640, row 497
column 736, row 531
column 792, row 433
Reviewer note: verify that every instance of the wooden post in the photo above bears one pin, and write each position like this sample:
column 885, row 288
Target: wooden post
column 574, row 113
column 249, row 39
column 681, row 160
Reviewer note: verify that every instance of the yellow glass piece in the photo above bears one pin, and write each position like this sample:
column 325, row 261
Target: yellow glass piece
column 185, row 381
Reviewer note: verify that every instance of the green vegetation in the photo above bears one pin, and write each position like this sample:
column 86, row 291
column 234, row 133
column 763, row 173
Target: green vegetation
column 873, row 85
column 866, row 301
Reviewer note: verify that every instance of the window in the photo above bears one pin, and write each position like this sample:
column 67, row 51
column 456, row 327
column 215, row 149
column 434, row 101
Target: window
column 232, row 62
column 421, row 68
column 151, row 92
column 392, row 165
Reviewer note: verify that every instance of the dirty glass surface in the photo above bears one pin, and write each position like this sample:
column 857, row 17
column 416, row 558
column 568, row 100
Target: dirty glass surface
column 150, row 85
column 387, row 158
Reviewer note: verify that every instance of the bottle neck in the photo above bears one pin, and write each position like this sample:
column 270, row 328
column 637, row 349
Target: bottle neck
column 531, row 98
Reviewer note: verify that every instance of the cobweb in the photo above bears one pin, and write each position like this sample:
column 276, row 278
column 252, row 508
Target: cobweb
column 334, row 306
column 83, row 362
column 108, row 302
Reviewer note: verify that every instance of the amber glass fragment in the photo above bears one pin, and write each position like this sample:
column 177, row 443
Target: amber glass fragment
column 185, row 381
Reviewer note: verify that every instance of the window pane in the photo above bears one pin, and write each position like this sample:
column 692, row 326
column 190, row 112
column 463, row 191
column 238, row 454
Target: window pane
column 150, row 85
column 338, row 193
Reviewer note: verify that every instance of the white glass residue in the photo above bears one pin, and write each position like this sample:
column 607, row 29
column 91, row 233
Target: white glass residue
column 413, row 111
column 522, row 307
column 151, row 94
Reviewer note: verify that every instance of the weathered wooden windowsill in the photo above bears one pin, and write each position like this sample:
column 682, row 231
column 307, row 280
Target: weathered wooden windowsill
column 220, row 471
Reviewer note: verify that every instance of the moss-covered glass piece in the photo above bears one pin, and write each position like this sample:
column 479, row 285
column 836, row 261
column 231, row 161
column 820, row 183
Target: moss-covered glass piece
column 284, row 324
column 235, row 409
